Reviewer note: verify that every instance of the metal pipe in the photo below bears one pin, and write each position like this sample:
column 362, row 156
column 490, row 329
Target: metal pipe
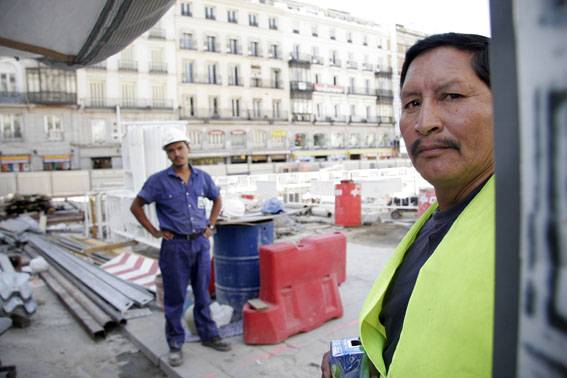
column 70, row 264
column 105, row 279
column 94, row 329
column 115, row 315
column 100, row 316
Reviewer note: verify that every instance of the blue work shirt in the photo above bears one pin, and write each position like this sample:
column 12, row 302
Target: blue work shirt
column 180, row 207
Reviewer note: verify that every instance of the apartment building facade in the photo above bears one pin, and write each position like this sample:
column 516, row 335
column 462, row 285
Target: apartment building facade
column 256, row 81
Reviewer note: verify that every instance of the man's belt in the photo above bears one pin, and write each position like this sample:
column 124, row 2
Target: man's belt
column 192, row 236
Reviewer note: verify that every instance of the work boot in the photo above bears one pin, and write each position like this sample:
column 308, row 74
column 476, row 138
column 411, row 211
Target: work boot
column 217, row 344
column 175, row 357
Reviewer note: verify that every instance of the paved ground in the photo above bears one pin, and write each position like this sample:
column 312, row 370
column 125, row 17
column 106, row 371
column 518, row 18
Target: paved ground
column 56, row 346
column 299, row 356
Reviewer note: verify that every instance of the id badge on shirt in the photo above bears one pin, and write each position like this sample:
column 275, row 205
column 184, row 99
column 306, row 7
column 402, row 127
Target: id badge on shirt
column 201, row 202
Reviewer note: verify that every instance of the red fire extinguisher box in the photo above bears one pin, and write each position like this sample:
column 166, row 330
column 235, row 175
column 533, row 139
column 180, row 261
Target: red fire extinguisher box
column 348, row 208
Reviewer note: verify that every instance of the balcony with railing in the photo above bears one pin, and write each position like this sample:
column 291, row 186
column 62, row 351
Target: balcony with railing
column 332, row 118
column 361, row 91
column 127, row 103
column 234, row 114
column 158, row 67
column 384, row 93
column 234, row 49
column 383, row 71
column 235, row 81
column 259, row 83
column 127, row 65
column 12, row 97
column 315, row 59
column 157, row 33
column 335, row 62
column 187, row 44
column 210, row 80
column 351, row 64
column 368, row 67
column 275, row 54
column 212, row 47
column 255, row 53
column 385, row 119
column 301, row 117
column 298, row 58
column 52, row 97
column 301, row 86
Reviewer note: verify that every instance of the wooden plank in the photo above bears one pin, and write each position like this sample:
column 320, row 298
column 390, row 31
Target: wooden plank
column 258, row 304
column 109, row 247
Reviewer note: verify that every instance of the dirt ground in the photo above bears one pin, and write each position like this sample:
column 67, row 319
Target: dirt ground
column 54, row 345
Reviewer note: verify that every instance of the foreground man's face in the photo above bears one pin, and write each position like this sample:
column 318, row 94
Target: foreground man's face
column 177, row 153
column 446, row 118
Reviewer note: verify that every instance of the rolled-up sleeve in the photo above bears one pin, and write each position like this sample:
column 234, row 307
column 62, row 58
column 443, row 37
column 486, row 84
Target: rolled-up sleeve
column 149, row 191
column 212, row 190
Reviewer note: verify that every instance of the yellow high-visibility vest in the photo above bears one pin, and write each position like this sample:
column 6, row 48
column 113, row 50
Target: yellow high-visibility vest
column 448, row 325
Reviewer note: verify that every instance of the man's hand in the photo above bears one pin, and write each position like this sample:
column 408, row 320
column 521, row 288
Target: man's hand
column 325, row 366
column 162, row 234
column 208, row 232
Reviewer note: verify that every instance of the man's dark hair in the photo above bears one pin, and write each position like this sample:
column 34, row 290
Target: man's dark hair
column 476, row 44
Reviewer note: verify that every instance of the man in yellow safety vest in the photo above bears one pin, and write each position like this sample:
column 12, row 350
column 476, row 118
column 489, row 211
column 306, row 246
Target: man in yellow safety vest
column 430, row 313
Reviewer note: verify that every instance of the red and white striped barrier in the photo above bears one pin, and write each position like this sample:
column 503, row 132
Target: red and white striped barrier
column 134, row 268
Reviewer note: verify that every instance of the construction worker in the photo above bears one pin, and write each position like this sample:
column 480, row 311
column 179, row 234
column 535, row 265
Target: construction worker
column 179, row 193
column 430, row 313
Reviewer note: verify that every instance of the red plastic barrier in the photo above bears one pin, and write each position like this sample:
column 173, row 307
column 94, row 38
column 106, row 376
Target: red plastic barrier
column 348, row 204
column 300, row 285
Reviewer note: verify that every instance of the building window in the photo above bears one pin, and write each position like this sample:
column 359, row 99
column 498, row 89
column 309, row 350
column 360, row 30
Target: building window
column 368, row 112
column 276, row 109
column 349, row 37
column 214, row 107
column 234, row 75
column 11, row 126
column 337, row 109
column 236, row 107
column 299, row 140
column 273, row 23
column 53, row 127
column 317, row 78
column 319, row 111
column 232, row 16
column 186, row 41
column 274, row 51
column 128, row 94
column 276, row 76
column 212, row 74
column 367, row 86
column 257, row 108
column 351, row 85
column 186, row 9
column 254, row 49
column 7, row 83
column 314, row 30
column 158, row 96
column 335, row 80
column 216, row 138
column 97, row 93
column 210, row 13
column 353, row 110
column 187, row 73
column 259, row 137
column 189, row 107
column 365, row 40
column 332, row 34
column 211, row 43
column 295, row 28
column 238, row 138
column 319, row 140
column 196, row 138
column 233, row 47
column 253, row 19
column 98, row 130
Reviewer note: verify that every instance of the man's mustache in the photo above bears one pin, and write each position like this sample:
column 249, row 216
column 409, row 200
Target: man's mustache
column 416, row 147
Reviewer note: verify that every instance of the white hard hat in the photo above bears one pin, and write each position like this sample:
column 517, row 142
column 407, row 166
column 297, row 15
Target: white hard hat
column 174, row 135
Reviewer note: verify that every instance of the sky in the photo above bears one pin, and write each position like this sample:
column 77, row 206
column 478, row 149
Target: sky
column 430, row 16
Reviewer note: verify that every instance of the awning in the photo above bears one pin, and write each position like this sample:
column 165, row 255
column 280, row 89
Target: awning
column 40, row 29
column 14, row 159
column 56, row 158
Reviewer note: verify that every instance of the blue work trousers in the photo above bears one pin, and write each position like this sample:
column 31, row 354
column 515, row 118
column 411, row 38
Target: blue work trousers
column 182, row 261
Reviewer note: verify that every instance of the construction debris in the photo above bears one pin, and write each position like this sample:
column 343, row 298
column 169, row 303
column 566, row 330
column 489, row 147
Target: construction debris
column 16, row 299
column 21, row 204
